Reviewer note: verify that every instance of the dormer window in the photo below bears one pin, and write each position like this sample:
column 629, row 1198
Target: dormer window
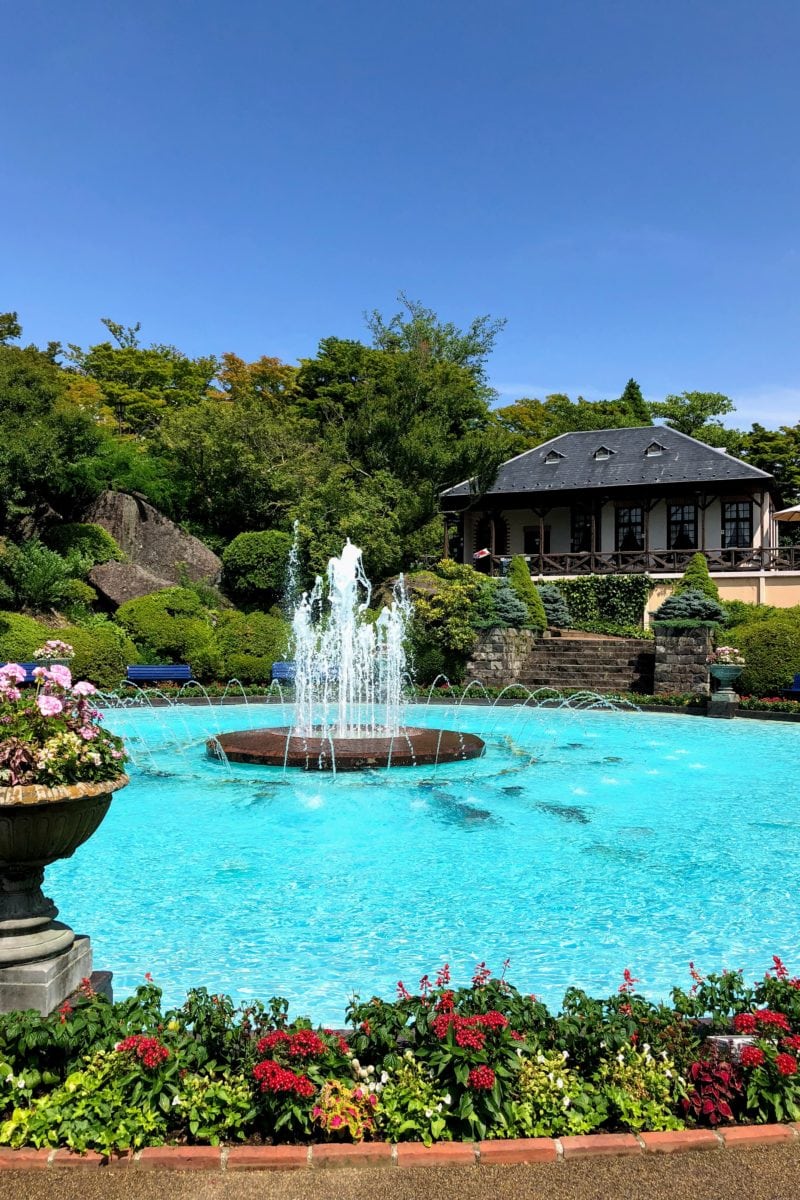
column 654, row 449
column 553, row 457
column 602, row 453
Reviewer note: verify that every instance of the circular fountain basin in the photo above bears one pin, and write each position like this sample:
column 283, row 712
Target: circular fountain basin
column 411, row 748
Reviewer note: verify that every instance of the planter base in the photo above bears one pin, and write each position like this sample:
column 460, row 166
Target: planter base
column 45, row 984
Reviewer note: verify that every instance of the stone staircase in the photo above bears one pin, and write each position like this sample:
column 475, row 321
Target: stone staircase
column 598, row 664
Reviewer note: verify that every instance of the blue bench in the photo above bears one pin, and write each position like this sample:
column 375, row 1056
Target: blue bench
column 793, row 692
column 283, row 672
column 161, row 673
column 28, row 668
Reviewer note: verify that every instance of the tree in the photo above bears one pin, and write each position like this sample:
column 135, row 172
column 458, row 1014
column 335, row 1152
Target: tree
column 419, row 331
column 633, row 400
column 776, row 451
column 10, row 328
column 532, row 421
column 693, row 413
column 255, row 567
column 519, row 578
column 696, row 578
column 140, row 384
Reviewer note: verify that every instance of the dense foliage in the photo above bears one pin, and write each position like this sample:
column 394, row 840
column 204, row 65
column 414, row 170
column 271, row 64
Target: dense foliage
column 555, row 606
column 519, row 576
column 771, row 649
column 690, row 605
column 696, row 578
column 476, row 1061
column 615, row 599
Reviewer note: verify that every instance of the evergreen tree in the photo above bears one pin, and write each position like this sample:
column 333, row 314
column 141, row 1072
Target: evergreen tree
column 634, row 401
column 555, row 606
column 519, row 577
column 696, row 578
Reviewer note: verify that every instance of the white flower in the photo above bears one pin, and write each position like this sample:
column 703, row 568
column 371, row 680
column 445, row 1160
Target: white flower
column 355, row 1063
column 176, row 1101
column 564, row 1055
column 438, row 1108
column 384, row 1077
column 668, row 1073
column 559, row 1082
column 428, row 1112
column 565, row 1103
column 447, row 1099
column 21, row 1082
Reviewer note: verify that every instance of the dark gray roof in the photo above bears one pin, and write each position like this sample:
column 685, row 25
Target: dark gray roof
column 683, row 460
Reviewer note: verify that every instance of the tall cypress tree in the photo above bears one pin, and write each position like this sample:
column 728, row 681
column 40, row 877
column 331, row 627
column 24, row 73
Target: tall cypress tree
column 636, row 404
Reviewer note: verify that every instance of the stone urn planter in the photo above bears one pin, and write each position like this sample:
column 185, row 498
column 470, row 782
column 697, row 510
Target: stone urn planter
column 726, row 675
column 38, row 826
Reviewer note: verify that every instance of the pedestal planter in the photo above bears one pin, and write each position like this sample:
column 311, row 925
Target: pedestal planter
column 38, row 826
column 724, row 700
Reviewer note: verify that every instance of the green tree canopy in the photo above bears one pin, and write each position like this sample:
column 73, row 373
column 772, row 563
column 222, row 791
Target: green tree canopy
column 694, row 413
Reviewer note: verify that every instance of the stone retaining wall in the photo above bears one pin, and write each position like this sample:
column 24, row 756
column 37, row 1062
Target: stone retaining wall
column 500, row 656
column 680, row 664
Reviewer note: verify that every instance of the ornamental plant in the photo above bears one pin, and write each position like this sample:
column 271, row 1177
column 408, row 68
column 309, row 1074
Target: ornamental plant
column 53, row 735
column 54, row 648
column 728, row 656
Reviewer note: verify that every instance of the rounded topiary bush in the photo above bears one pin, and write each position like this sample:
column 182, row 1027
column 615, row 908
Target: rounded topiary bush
column 254, row 566
column 249, row 668
column 91, row 542
column 499, row 606
column 555, row 606
column 20, row 636
column 771, row 650
column 102, row 652
column 519, row 578
column 254, row 635
column 690, row 606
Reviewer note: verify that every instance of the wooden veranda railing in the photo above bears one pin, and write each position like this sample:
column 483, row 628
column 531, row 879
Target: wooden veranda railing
column 656, row 562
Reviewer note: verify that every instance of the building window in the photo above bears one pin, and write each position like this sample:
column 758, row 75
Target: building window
column 737, row 524
column 602, row 453
column 581, row 531
column 553, row 457
column 654, row 450
column 630, row 527
column 530, row 540
column 681, row 526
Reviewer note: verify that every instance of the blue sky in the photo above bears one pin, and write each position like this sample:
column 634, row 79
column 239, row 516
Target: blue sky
column 620, row 180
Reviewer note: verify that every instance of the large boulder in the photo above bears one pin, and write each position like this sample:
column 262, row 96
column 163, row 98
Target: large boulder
column 150, row 540
column 117, row 582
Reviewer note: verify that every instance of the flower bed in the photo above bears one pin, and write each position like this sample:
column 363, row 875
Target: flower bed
column 482, row 1062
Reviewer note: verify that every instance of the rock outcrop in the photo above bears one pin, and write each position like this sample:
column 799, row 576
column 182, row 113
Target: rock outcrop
column 151, row 541
column 117, row 582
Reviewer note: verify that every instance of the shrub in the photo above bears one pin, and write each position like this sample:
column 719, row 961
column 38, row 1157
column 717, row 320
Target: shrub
column 690, row 606
column 173, row 626
column 102, row 652
column 78, row 594
column 499, row 606
column 255, row 566
column 771, row 650
column 20, row 636
column 258, row 636
column 519, row 577
column 249, row 668
column 739, row 613
column 696, row 578
column 443, row 616
column 90, row 542
column 38, row 578
column 555, row 606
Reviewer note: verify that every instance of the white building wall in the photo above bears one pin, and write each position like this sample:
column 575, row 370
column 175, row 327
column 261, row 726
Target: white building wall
column 657, row 530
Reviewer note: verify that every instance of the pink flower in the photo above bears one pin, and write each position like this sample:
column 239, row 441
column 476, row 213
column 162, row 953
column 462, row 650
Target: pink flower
column 41, row 673
column 88, row 733
column 13, row 671
column 61, row 675
column 11, row 693
column 49, row 706
column 84, row 688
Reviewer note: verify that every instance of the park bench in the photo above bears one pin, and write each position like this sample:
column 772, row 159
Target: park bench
column 161, row 673
column 793, row 692
column 28, row 668
column 283, row 672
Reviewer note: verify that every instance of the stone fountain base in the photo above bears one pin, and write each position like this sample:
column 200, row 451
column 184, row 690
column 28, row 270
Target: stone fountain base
column 45, row 984
column 412, row 748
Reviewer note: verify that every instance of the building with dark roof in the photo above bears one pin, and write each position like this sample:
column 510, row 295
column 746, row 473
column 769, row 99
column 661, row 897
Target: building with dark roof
column 620, row 500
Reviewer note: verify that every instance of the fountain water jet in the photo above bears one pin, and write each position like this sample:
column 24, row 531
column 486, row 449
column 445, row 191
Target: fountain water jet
column 349, row 676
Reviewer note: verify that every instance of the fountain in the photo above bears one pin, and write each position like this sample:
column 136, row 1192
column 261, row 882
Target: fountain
column 349, row 680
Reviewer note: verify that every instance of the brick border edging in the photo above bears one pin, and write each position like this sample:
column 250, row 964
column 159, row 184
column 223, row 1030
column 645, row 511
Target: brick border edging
column 322, row 1156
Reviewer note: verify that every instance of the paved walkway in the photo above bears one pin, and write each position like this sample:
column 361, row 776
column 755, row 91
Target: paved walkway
column 758, row 1174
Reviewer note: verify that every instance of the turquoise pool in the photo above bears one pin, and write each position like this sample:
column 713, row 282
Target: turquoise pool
column 584, row 842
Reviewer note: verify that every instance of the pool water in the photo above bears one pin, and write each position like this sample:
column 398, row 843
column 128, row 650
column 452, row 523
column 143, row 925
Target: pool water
column 584, row 842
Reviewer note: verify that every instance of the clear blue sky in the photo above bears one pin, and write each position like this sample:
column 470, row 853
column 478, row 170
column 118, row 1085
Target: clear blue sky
column 618, row 179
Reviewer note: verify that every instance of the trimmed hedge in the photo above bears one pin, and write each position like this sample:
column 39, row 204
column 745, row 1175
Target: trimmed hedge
column 616, row 598
column 696, row 578
column 771, row 650
column 173, row 626
column 102, row 652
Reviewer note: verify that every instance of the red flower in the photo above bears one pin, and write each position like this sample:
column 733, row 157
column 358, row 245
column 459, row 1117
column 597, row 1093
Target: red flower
column 443, row 977
column 470, row 1039
column 751, row 1056
column 86, row 987
column 402, row 991
column 627, row 981
column 774, row 1019
column 493, row 1020
column 445, row 1002
column 366, row 1028
column 744, row 1023
column 306, row 1044
column 149, row 1050
column 780, row 970
column 481, row 1079
column 792, row 1043
column 482, row 975
column 272, row 1077
column 625, row 1009
column 271, row 1040
column 64, row 1011
column 786, row 1064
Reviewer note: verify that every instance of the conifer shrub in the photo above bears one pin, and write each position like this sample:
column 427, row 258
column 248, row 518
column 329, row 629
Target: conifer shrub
column 519, row 577
column 498, row 606
column 690, row 605
column 696, row 578
column 555, row 606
